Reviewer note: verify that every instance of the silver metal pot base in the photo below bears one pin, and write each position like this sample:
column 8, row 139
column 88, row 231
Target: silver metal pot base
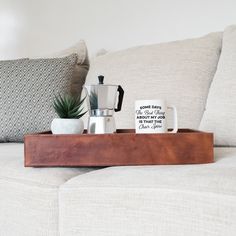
column 101, row 125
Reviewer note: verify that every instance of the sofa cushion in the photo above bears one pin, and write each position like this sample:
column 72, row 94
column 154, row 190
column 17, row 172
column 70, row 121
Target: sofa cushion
column 27, row 89
column 179, row 72
column 153, row 200
column 220, row 114
column 29, row 196
column 81, row 68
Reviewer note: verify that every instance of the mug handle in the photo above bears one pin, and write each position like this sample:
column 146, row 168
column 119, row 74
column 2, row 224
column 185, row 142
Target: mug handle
column 175, row 129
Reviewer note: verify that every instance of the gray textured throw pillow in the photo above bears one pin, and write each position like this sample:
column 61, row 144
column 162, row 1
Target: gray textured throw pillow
column 27, row 89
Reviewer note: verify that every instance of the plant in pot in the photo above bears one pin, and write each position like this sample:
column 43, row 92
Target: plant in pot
column 69, row 110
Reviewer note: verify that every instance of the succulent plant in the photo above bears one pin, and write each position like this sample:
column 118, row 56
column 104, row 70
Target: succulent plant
column 68, row 107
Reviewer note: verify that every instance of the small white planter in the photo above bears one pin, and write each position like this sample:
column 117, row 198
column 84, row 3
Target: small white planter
column 67, row 126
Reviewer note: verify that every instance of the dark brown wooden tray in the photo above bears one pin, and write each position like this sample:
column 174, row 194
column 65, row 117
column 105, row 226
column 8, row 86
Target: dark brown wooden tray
column 122, row 148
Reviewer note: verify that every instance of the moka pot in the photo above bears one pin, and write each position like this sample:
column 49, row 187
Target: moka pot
column 102, row 103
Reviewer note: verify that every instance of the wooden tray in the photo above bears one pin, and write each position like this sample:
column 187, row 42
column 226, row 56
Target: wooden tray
column 122, row 148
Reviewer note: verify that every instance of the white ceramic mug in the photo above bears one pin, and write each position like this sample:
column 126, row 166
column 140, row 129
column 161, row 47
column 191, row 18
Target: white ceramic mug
column 151, row 117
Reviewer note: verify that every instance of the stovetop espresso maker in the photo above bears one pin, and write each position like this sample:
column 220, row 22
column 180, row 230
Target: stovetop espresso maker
column 102, row 103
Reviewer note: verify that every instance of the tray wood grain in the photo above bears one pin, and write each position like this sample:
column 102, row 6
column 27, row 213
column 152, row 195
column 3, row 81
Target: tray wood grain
column 122, row 148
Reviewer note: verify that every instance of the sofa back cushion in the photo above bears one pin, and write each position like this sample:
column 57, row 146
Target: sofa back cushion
column 81, row 68
column 27, row 89
column 179, row 72
column 220, row 114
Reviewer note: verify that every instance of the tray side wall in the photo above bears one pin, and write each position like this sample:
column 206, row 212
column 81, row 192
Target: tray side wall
column 121, row 149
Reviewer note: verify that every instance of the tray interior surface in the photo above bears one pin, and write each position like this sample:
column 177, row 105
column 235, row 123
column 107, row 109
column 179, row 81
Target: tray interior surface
column 123, row 131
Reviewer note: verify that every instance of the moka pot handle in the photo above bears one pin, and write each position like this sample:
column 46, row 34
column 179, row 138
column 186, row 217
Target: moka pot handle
column 120, row 98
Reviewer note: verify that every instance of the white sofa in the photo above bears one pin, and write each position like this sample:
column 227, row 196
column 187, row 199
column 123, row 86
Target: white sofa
column 138, row 200
column 151, row 200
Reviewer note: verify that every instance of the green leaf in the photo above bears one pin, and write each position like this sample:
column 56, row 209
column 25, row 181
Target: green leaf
column 68, row 107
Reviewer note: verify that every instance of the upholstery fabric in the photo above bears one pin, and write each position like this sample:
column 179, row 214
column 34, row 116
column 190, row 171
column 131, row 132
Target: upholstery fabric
column 179, row 72
column 220, row 114
column 82, row 66
column 27, row 89
column 153, row 200
column 29, row 196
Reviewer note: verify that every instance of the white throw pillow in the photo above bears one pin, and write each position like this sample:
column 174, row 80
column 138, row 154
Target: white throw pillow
column 220, row 114
column 79, row 48
column 179, row 72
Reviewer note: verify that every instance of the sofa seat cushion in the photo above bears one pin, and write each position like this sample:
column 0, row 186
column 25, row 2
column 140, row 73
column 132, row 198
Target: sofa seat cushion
column 29, row 196
column 153, row 200
column 12, row 167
